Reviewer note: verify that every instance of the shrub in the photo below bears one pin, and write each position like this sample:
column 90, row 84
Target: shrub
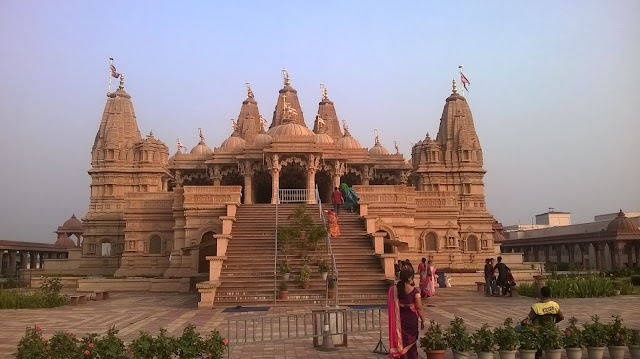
column 283, row 287
column 573, row 335
column 581, row 286
column 527, row 289
column 551, row 337
column 305, row 274
column 110, row 346
column 483, row 340
column 458, row 337
column 164, row 345
column 506, row 336
column 47, row 296
column 283, row 267
column 214, row 346
column 88, row 346
column 595, row 333
column 64, row 345
column 617, row 334
column 33, row 345
column 433, row 338
column 142, row 346
column 530, row 337
column 624, row 285
column 323, row 267
column 634, row 337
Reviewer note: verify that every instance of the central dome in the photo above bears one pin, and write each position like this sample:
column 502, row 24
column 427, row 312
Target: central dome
column 234, row 143
column 347, row 142
column 201, row 149
column 290, row 129
column 378, row 150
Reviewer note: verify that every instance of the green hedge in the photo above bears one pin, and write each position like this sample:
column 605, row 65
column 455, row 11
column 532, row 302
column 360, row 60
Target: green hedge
column 47, row 296
column 589, row 286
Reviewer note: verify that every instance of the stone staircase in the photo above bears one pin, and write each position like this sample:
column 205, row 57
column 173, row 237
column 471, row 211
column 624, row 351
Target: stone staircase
column 247, row 273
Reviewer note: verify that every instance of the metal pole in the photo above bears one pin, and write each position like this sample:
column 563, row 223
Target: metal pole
column 110, row 63
column 275, row 258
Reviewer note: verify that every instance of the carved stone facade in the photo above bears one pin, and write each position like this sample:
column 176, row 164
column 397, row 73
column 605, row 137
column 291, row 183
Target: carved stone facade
column 157, row 216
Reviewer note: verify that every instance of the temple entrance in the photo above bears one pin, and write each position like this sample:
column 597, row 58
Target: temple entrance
column 234, row 179
column 293, row 176
column 208, row 247
column 325, row 186
column 351, row 179
column 261, row 187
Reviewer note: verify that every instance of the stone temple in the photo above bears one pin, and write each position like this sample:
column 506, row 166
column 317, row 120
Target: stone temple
column 205, row 218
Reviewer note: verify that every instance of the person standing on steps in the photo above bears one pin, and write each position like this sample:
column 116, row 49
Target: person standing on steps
column 337, row 199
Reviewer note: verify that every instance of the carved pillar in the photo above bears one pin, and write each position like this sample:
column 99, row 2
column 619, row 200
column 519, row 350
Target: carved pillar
column 38, row 261
column 248, row 175
column 637, row 245
column 584, row 250
column 366, row 176
column 1, row 261
column 599, row 247
column 312, row 167
column 12, row 262
column 536, row 253
column 571, row 248
column 339, row 169
column 275, row 184
column 617, row 252
column 216, row 175
column 547, row 254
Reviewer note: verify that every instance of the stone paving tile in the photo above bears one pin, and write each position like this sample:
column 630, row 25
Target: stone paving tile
column 132, row 312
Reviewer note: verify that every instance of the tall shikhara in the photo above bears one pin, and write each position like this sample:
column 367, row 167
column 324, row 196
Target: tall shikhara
column 121, row 162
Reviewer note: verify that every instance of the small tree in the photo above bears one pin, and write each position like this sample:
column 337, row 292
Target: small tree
column 506, row 336
column 595, row 333
column 573, row 335
column 458, row 337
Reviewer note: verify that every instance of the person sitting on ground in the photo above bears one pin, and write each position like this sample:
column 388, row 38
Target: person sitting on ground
column 545, row 310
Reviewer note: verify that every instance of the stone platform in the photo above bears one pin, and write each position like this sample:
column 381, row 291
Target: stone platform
column 131, row 312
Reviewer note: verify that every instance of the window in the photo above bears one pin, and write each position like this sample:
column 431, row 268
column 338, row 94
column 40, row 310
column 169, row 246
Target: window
column 108, row 190
column 472, row 243
column 434, row 156
column 466, row 155
column 466, row 188
column 110, row 155
column 105, row 251
column 431, row 242
column 155, row 245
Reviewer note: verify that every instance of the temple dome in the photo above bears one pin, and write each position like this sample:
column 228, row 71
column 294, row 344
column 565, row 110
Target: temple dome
column 201, row 149
column 324, row 139
column 347, row 142
column 72, row 223
column 65, row 241
column 262, row 139
column 235, row 142
column 378, row 150
column 622, row 224
column 290, row 129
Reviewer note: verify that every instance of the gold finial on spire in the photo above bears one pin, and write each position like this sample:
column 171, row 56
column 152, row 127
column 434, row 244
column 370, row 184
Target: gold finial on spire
column 249, row 92
column 455, row 89
column 285, row 75
column 121, row 87
column 321, row 124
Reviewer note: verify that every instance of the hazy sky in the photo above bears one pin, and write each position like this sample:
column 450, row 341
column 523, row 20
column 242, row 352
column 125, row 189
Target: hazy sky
column 554, row 88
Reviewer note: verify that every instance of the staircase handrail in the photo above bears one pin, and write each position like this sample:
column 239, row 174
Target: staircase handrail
column 334, row 267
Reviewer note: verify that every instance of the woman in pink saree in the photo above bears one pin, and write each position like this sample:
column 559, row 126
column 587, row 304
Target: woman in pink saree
column 404, row 307
column 430, row 279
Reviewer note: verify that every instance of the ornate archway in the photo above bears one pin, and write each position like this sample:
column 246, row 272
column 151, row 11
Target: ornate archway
column 261, row 187
column 293, row 176
column 325, row 185
column 234, row 178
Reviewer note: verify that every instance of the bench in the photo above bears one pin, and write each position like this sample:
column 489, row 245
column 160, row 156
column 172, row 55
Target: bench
column 78, row 299
column 481, row 286
column 98, row 295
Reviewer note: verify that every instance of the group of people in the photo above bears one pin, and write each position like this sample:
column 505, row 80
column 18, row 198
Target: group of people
column 344, row 195
column 404, row 307
column 498, row 278
column 427, row 273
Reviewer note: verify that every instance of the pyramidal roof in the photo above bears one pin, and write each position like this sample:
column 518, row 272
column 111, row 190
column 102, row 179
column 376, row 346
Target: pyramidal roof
column 289, row 96
column 118, row 127
column 249, row 117
column 456, row 124
column 327, row 112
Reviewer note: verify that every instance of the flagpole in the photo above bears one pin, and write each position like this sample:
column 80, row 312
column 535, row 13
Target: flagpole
column 110, row 63
column 460, row 67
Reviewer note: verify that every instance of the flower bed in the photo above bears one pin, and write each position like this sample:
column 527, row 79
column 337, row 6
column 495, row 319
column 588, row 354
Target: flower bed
column 47, row 296
column 190, row 345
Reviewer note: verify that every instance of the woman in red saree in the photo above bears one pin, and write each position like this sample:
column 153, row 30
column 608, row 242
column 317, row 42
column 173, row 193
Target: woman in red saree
column 404, row 307
column 334, row 228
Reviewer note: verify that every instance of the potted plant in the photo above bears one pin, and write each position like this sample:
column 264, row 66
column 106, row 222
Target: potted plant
column 484, row 343
column 284, row 269
column 434, row 341
column 305, row 276
column 529, row 341
column 110, row 346
column 618, row 336
column 331, row 286
column 284, row 290
column 573, row 340
column 507, row 340
column 595, row 337
column 458, row 339
column 323, row 268
column 551, row 340
column 142, row 346
column 634, row 344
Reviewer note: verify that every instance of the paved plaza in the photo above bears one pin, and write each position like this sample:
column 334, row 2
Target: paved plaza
column 132, row 312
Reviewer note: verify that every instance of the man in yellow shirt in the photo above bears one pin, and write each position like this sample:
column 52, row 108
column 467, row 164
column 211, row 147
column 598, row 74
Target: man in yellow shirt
column 543, row 311
column 546, row 309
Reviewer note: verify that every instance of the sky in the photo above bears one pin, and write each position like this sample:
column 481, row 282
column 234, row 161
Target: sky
column 554, row 89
